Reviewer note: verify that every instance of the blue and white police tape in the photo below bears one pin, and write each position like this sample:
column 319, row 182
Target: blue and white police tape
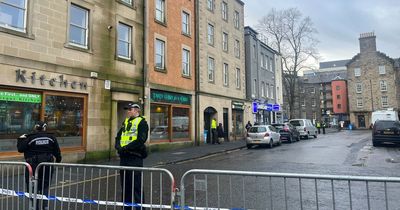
column 99, row 202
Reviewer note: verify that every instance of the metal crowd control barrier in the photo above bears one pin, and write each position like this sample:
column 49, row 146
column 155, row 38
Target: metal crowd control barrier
column 218, row 189
column 83, row 186
column 14, row 190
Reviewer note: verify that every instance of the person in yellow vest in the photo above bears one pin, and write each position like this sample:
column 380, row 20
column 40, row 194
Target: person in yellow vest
column 319, row 127
column 130, row 144
column 214, row 131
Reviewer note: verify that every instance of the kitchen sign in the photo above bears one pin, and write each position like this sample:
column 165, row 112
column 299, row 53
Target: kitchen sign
column 60, row 81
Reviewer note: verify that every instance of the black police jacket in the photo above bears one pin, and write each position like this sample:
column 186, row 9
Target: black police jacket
column 136, row 148
column 38, row 146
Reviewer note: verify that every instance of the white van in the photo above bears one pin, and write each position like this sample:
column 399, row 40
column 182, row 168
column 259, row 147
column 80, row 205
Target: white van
column 384, row 115
column 305, row 127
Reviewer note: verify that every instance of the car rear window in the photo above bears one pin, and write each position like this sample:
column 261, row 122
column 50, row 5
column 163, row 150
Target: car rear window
column 278, row 126
column 382, row 125
column 297, row 123
column 257, row 129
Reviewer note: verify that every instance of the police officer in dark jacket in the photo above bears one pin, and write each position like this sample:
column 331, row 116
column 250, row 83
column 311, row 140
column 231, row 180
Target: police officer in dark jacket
column 130, row 144
column 40, row 146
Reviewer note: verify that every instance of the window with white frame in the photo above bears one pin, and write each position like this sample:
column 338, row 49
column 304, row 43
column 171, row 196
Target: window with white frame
column 302, row 90
column 224, row 10
column 160, row 10
column 236, row 20
column 384, row 100
column 237, row 48
column 357, row 72
column 124, row 41
column 383, row 85
column 271, row 92
column 358, row 87
column 303, row 102
column 267, row 90
column 185, row 62
column 360, row 102
column 225, row 71
column 210, row 5
column 129, row 2
column 225, row 42
column 262, row 89
column 254, row 87
column 210, row 34
column 211, row 69
column 13, row 14
column 313, row 90
column 270, row 64
column 78, row 26
column 160, row 54
column 238, row 78
column 262, row 60
column 382, row 70
column 185, row 23
column 314, row 102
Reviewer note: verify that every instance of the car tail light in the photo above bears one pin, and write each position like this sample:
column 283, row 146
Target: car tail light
column 266, row 135
column 285, row 128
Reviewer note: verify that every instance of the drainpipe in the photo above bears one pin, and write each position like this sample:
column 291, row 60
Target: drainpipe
column 197, row 80
column 145, row 48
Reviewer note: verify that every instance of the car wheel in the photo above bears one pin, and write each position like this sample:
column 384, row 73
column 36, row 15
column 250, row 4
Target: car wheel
column 280, row 142
column 306, row 136
column 298, row 138
column 375, row 144
column 315, row 136
column 249, row 146
column 271, row 144
column 290, row 139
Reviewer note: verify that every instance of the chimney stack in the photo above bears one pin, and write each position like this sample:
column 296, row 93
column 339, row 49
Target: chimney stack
column 367, row 42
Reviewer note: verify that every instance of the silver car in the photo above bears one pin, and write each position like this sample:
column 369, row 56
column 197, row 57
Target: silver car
column 263, row 135
column 305, row 127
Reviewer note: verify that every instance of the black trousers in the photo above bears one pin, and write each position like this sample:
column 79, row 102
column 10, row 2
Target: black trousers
column 44, row 180
column 214, row 138
column 131, row 181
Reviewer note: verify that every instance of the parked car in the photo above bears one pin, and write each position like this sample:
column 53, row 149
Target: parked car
column 263, row 135
column 386, row 131
column 288, row 132
column 305, row 127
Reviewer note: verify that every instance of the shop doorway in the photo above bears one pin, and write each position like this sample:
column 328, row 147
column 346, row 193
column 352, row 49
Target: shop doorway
column 209, row 113
column 226, row 124
column 361, row 121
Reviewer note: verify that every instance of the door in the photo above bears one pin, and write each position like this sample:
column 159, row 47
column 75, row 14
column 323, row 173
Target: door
column 361, row 121
column 225, row 124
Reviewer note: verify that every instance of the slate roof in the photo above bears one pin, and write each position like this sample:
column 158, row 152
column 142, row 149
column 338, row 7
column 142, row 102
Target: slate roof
column 325, row 77
column 330, row 64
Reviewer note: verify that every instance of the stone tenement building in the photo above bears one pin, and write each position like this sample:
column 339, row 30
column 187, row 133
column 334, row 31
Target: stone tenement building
column 372, row 82
column 72, row 64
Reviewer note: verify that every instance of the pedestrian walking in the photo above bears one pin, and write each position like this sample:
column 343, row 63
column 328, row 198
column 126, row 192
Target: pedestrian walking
column 220, row 131
column 38, row 147
column 130, row 144
column 323, row 127
column 248, row 126
column 319, row 127
column 214, row 138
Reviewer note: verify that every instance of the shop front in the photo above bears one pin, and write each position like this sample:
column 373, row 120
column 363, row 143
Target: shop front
column 170, row 116
column 30, row 98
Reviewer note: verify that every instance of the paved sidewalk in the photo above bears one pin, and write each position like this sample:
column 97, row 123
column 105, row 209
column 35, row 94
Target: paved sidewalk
column 184, row 154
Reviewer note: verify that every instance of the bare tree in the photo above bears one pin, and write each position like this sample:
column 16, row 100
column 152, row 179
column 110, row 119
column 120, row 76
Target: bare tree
column 292, row 35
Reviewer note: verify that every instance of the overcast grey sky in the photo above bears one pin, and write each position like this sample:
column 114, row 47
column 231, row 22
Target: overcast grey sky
column 340, row 22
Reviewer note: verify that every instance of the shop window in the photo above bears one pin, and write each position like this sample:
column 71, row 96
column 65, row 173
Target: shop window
column 64, row 117
column 18, row 113
column 159, row 122
column 180, row 123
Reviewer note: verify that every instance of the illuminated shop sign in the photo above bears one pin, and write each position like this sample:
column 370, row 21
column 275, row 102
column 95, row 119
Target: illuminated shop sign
column 61, row 81
column 20, row 97
column 168, row 97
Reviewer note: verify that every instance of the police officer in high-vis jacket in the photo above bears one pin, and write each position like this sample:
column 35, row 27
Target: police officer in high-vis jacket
column 130, row 144
column 40, row 146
